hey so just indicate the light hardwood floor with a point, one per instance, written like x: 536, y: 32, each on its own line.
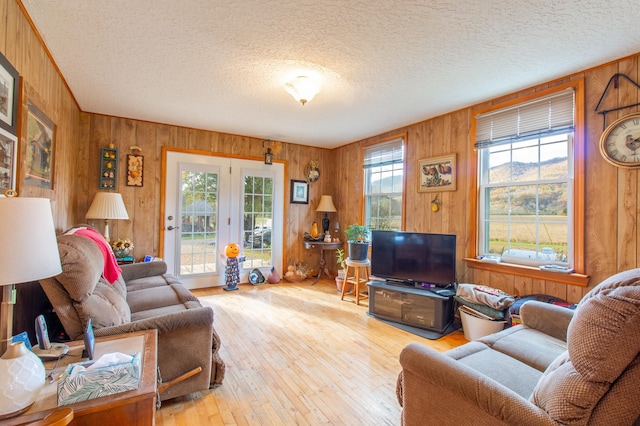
x: 297, y: 354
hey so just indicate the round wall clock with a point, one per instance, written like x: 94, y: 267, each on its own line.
x: 620, y: 142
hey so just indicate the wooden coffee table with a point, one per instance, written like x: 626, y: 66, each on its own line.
x: 135, y: 407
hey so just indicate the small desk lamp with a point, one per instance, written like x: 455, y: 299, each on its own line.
x: 326, y: 205
x: 28, y: 252
x: 107, y: 205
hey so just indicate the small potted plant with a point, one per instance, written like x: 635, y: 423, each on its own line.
x: 341, y: 272
x: 358, y: 239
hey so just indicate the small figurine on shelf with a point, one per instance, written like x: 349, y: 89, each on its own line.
x: 232, y: 270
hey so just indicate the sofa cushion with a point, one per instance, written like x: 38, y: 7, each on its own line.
x: 164, y: 310
x: 565, y: 395
x: 81, y: 277
x: 81, y: 266
x: 604, y: 335
x: 161, y: 280
x: 159, y: 297
x: 502, y: 368
x: 614, y: 407
x: 105, y: 306
x: 527, y: 345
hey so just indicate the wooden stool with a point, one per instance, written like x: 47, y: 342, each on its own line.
x: 360, y: 270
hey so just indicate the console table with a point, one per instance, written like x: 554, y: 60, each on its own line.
x: 322, y: 246
x: 135, y: 407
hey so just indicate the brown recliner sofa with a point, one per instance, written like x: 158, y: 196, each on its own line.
x: 559, y: 367
x: 143, y: 297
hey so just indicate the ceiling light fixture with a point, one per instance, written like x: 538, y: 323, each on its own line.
x: 302, y: 88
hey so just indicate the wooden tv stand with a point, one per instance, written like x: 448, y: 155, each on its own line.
x: 410, y: 306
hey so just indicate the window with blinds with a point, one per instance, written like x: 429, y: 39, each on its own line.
x: 526, y: 181
x: 383, y: 184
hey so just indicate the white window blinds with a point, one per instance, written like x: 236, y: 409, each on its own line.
x: 383, y: 154
x: 539, y: 118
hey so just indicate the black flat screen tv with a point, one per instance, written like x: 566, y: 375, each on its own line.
x: 413, y: 258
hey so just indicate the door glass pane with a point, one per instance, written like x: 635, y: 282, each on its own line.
x: 258, y: 220
x: 198, y: 229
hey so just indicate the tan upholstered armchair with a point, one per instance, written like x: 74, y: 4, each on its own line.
x: 143, y: 297
x: 539, y: 373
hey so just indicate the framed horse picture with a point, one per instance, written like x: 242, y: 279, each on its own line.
x: 437, y: 174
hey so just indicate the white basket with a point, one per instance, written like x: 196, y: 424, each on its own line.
x: 476, y: 327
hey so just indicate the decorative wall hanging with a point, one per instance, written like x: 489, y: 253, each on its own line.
x: 135, y: 163
x: 8, y: 161
x: 40, y: 147
x: 437, y: 174
x: 109, y: 167
x: 9, y: 86
x: 615, y: 80
x: 312, y: 172
x: 299, y: 192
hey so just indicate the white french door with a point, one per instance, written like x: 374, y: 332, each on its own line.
x: 213, y: 201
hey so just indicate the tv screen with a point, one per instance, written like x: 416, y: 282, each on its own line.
x: 413, y: 257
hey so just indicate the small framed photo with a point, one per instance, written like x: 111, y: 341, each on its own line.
x: 40, y: 147
x: 8, y: 161
x: 9, y: 86
x: 299, y: 192
x: 134, y: 170
x: 437, y: 174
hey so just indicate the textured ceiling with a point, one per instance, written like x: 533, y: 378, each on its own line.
x: 222, y: 66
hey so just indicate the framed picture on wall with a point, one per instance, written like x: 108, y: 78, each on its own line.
x: 9, y: 86
x: 8, y: 161
x: 40, y: 148
x: 134, y: 170
x: 437, y: 174
x: 299, y: 192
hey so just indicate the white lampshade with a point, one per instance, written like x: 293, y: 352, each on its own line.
x: 28, y: 252
x: 28, y: 248
x: 302, y: 88
x: 22, y: 376
x: 107, y: 205
x: 326, y: 204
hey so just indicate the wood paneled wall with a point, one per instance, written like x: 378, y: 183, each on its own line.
x: 143, y: 204
x: 611, y: 195
x: 44, y: 87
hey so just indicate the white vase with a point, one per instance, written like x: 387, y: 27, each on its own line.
x: 22, y: 375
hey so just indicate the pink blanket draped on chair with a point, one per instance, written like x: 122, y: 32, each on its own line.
x: 111, y: 270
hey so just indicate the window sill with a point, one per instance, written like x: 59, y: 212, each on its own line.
x: 529, y: 271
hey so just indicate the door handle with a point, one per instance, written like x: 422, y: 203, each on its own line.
x: 171, y: 228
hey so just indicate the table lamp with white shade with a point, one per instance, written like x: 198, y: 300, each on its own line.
x: 28, y: 252
x: 107, y: 205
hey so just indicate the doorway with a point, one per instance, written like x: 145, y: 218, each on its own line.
x: 211, y: 201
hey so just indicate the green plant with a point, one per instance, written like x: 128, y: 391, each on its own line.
x: 357, y: 234
x: 340, y: 258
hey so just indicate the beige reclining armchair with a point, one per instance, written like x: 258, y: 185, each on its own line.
x: 558, y: 368
x: 144, y: 297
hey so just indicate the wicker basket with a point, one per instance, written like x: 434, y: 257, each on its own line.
x: 295, y: 278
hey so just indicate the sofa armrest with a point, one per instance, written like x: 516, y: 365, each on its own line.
x: 437, y: 389
x: 185, y: 341
x: 547, y: 318
x: 134, y: 271
x: 174, y: 321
